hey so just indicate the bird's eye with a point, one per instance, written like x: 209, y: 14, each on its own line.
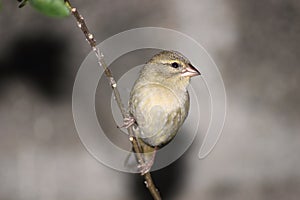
x: 175, y: 65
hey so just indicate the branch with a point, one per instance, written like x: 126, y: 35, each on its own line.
x: 101, y: 62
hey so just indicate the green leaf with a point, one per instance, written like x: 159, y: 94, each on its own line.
x: 53, y: 8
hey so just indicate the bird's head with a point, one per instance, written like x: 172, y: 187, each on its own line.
x: 170, y: 67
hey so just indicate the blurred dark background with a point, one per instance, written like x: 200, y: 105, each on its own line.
x: 254, y: 43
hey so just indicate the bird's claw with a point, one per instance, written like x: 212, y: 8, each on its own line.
x: 145, y: 168
x: 128, y: 121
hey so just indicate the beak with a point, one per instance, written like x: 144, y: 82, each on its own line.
x: 190, y: 71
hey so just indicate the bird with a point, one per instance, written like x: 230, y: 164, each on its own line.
x: 159, y: 102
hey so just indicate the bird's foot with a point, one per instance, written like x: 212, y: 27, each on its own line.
x: 128, y: 121
x: 145, y: 167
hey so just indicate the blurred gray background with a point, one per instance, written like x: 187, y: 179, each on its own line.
x: 254, y: 43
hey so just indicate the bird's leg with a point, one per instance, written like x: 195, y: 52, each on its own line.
x: 146, y: 166
x: 127, y: 122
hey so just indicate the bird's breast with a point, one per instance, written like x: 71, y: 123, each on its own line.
x: 159, y: 112
x: 155, y: 95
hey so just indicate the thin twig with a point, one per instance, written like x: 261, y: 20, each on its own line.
x: 92, y: 42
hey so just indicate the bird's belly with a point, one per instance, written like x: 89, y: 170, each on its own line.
x: 158, y: 113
